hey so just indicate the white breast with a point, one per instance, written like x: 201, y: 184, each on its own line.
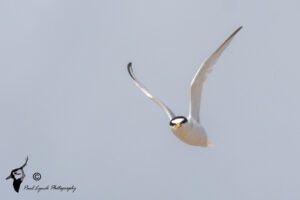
x: 191, y: 133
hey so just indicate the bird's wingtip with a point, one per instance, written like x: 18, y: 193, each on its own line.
x: 130, y: 71
x: 129, y: 66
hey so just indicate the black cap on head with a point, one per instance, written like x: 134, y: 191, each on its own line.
x: 178, y: 119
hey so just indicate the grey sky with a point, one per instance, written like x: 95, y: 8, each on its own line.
x: 68, y: 103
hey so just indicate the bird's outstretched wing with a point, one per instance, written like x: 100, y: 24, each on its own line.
x: 148, y: 94
x: 201, y: 75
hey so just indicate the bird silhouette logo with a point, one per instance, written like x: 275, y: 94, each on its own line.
x: 18, y: 176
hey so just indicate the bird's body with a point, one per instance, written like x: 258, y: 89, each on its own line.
x: 18, y: 176
x: 189, y: 129
x: 191, y: 133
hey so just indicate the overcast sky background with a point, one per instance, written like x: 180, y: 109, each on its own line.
x: 68, y: 103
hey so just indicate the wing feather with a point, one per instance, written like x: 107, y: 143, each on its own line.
x: 198, y: 81
x: 148, y: 94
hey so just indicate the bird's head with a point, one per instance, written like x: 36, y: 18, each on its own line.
x: 16, y: 174
x: 178, y: 121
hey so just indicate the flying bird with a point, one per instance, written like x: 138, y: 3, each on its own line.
x: 18, y: 176
x: 189, y: 129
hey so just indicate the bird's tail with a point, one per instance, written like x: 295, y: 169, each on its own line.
x: 210, y: 144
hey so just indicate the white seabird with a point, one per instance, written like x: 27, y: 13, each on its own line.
x: 189, y: 129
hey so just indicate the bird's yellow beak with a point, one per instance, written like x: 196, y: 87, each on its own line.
x: 178, y: 125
